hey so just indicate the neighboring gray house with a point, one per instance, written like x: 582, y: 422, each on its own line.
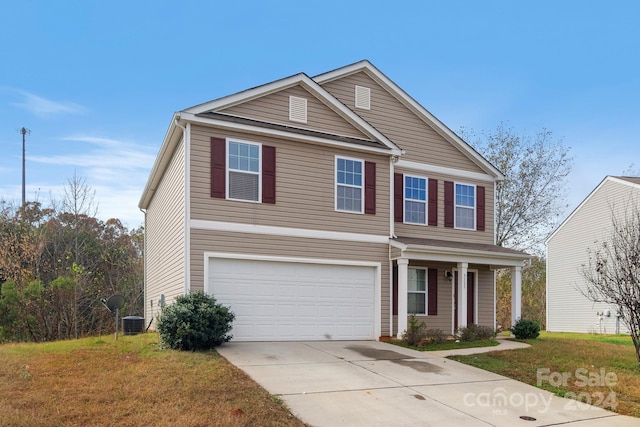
x: 567, y: 251
x: 323, y: 208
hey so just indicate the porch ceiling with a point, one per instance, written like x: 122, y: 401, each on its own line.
x: 451, y: 251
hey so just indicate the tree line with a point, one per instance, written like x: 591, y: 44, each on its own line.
x: 56, y: 264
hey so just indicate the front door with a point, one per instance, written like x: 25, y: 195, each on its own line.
x: 471, y: 302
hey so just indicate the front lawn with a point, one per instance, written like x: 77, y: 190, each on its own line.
x: 599, y: 369
x: 130, y: 382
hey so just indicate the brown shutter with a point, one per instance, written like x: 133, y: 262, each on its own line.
x: 433, y: 202
x: 218, y: 164
x: 432, y: 292
x: 398, y: 197
x: 395, y: 290
x: 480, y: 208
x: 448, y: 204
x: 369, y: 188
x: 268, y: 174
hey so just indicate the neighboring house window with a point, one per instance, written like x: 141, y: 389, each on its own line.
x: 349, y: 185
x: 417, y: 291
x: 465, y: 206
x: 415, y: 200
x: 243, y: 171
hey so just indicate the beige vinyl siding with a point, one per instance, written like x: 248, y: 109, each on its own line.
x: 305, y: 188
x: 486, y: 296
x: 445, y: 297
x: 567, y: 309
x: 420, y: 141
x: 452, y: 234
x: 255, y: 244
x: 444, y: 319
x: 165, y: 237
x: 274, y: 108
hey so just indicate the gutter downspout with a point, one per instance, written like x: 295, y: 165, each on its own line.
x: 187, y: 211
x: 144, y: 269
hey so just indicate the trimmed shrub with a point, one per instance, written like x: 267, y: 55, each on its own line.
x: 435, y: 336
x: 195, y: 322
x: 473, y: 332
x: 415, y: 333
x: 526, y: 329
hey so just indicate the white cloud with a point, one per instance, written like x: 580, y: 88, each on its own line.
x: 117, y: 170
x: 107, y: 160
x: 43, y: 107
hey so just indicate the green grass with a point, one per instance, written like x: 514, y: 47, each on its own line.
x: 566, y: 353
x: 130, y: 382
x: 448, y: 345
x: 611, y: 339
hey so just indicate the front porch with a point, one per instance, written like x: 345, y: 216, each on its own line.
x: 449, y: 285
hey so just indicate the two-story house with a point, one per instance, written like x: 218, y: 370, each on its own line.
x: 322, y: 208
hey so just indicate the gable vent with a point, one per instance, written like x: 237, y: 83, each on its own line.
x: 298, y: 109
x: 363, y: 97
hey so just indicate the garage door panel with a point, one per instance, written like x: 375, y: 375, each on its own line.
x: 295, y: 301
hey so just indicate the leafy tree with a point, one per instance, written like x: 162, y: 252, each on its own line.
x: 56, y: 263
x: 529, y: 204
x: 534, y: 279
x: 531, y: 199
x: 612, y: 275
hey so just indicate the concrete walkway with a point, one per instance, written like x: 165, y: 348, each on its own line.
x: 370, y: 383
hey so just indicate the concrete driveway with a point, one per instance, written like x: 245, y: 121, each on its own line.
x: 369, y: 383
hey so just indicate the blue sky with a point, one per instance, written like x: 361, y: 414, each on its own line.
x: 98, y: 82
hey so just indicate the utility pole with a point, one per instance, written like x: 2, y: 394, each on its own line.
x: 24, y: 131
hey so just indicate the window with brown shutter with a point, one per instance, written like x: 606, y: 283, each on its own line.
x: 448, y: 204
x: 433, y: 202
x: 370, y: 188
x: 432, y: 292
x: 268, y: 174
x: 218, y: 164
x: 243, y: 170
x: 480, y: 215
x: 398, y: 197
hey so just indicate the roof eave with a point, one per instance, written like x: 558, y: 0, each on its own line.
x: 169, y: 143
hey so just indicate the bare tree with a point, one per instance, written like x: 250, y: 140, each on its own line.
x: 531, y: 200
x: 612, y: 275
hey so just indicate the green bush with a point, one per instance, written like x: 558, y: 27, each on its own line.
x: 526, y: 329
x: 415, y: 333
x: 473, y: 332
x: 195, y: 322
x: 435, y: 336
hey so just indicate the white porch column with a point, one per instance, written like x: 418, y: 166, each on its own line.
x: 516, y: 294
x: 462, y: 294
x: 403, y: 273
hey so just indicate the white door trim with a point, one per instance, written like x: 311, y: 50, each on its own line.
x: 475, y: 296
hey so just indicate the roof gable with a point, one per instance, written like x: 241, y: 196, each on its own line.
x: 322, y: 100
x: 412, y: 105
x: 274, y: 108
x: 631, y: 182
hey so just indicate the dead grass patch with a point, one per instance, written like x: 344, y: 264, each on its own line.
x: 560, y: 353
x: 129, y: 382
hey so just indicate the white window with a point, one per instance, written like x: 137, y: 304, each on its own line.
x: 417, y: 291
x: 415, y: 200
x: 465, y: 206
x: 349, y: 185
x: 243, y: 170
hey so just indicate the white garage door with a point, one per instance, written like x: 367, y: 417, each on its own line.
x: 293, y: 301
